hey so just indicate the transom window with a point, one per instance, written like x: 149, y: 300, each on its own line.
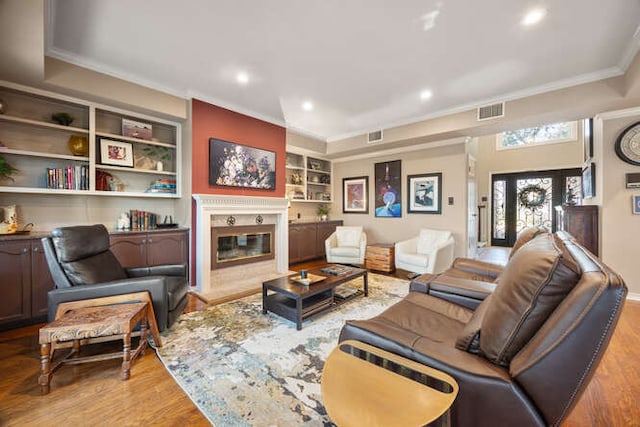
x: 538, y: 135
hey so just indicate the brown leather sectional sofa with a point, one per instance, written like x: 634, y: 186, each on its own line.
x: 522, y: 340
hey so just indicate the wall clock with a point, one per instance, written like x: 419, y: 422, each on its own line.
x: 628, y: 145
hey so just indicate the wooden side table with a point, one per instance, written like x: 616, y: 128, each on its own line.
x: 96, y: 320
x: 381, y: 257
x: 363, y: 385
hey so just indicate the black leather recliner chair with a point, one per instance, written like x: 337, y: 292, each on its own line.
x: 83, y: 267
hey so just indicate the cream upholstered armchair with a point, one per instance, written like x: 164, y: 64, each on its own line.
x: 346, y: 245
x: 430, y: 252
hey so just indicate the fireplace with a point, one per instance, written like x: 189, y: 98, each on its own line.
x: 233, y: 245
x: 218, y: 211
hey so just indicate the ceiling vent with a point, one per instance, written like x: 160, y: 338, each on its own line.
x: 375, y: 136
x: 491, y: 111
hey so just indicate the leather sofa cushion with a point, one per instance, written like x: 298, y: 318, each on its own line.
x: 525, y: 236
x: 534, y: 282
x: 418, y: 317
x: 348, y: 236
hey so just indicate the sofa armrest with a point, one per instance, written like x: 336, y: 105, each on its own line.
x: 363, y: 243
x: 155, y: 285
x: 465, y: 292
x: 331, y: 242
x: 481, y: 268
x: 178, y: 270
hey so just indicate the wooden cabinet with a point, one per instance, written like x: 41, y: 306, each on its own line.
x: 306, y: 240
x: 41, y: 149
x: 25, y: 282
x: 381, y: 257
x: 152, y: 247
x: 581, y: 222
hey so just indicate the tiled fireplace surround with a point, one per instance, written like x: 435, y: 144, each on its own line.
x: 214, y: 210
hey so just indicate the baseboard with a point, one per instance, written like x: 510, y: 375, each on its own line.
x: 633, y: 297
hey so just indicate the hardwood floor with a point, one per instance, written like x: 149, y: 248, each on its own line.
x: 93, y: 395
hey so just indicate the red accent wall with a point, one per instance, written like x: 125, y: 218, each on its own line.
x: 210, y: 121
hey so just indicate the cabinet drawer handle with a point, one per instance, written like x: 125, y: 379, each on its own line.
x: 36, y: 249
x: 25, y: 250
x: 144, y: 241
x: 150, y: 240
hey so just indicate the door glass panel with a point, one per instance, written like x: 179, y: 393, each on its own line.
x: 499, y: 222
x: 533, y: 203
x: 573, y: 190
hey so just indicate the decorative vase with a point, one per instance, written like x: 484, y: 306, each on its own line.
x: 78, y: 145
x: 159, y: 166
x: 323, y: 217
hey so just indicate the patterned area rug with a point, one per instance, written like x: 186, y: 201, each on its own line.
x: 243, y: 368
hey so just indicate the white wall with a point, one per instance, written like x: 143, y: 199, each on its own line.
x: 619, y: 227
x: 450, y: 160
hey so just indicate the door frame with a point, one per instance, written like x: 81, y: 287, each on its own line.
x: 558, y: 192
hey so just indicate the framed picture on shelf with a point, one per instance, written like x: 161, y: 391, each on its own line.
x: 388, y: 199
x: 587, y: 139
x: 134, y: 129
x: 117, y: 153
x: 589, y: 181
x: 424, y: 193
x: 236, y: 165
x: 354, y: 195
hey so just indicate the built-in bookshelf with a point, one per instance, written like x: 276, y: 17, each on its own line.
x: 113, y: 161
x: 308, y: 178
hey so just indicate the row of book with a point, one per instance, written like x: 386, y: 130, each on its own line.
x: 143, y: 220
x: 68, y: 178
x: 162, y: 185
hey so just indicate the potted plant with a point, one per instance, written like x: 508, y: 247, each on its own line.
x: 323, y: 211
x: 6, y: 170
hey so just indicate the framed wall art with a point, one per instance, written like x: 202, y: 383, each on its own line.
x: 388, y: 197
x: 117, y: 153
x: 424, y: 193
x: 236, y: 165
x: 354, y: 195
x: 589, y: 181
x: 636, y: 204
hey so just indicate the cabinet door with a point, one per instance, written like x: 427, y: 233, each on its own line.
x: 130, y: 249
x: 41, y: 280
x: 15, y: 286
x: 302, y: 242
x: 168, y: 248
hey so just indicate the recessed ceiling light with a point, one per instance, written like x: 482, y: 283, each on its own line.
x: 426, y: 94
x: 533, y: 16
x: 307, y: 106
x: 242, y: 78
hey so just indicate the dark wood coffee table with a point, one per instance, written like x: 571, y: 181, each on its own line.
x: 297, y: 302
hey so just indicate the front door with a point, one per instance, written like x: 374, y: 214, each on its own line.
x: 525, y: 199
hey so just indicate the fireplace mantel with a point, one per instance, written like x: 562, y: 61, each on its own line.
x: 209, y: 206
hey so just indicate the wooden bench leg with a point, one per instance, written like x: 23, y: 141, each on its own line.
x: 126, y: 357
x: 45, y: 367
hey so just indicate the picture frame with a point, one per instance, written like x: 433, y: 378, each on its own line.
x: 589, y: 181
x: 424, y: 193
x: 136, y: 129
x: 116, y: 153
x: 587, y: 139
x: 388, y: 189
x: 355, y: 195
x: 238, y: 165
x: 636, y: 204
